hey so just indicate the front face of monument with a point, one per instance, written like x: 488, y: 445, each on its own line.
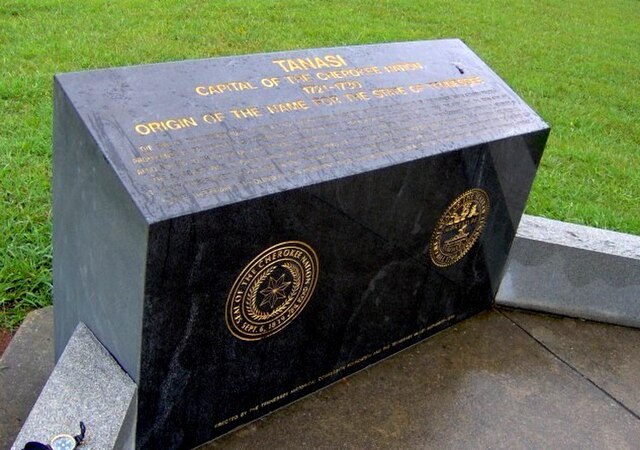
x: 291, y: 218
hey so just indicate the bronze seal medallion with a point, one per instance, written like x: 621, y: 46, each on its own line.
x: 459, y: 227
x: 272, y: 290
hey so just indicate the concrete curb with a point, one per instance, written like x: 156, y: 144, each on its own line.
x: 86, y: 385
x: 573, y: 270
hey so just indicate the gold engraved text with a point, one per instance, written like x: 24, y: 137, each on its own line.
x: 221, y: 88
x: 315, y: 63
x: 165, y: 125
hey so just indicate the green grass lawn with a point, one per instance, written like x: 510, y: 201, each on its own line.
x: 577, y: 63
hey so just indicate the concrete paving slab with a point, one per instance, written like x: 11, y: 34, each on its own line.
x: 483, y: 384
x: 24, y: 369
x: 607, y: 355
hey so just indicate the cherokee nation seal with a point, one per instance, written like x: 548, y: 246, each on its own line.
x: 272, y: 290
x: 459, y: 227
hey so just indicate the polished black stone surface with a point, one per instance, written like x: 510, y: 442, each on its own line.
x: 363, y: 182
x: 386, y: 104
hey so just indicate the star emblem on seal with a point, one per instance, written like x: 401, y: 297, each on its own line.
x: 272, y: 290
x: 275, y: 291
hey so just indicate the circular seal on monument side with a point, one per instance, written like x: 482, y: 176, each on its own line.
x: 272, y: 290
x: 459, y: 227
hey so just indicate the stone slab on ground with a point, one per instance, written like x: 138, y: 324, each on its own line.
x: 484, y: 383
x: 86, y: 385
x: 502, y: 379
x: 609, y: 356
x: 573, y: 270
x: 24, y: 369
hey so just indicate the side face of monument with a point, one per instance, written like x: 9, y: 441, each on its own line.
x: 99, y: 243
x: 280, y: 220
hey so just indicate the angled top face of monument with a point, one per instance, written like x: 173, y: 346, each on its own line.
x: 239, y: 232
x: 189, y: 136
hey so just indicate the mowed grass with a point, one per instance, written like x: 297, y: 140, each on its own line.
x: 575, y: 62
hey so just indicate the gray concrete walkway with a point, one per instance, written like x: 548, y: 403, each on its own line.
x: 503, y: 379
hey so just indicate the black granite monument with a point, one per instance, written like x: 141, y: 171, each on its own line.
x: 239, y: 232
